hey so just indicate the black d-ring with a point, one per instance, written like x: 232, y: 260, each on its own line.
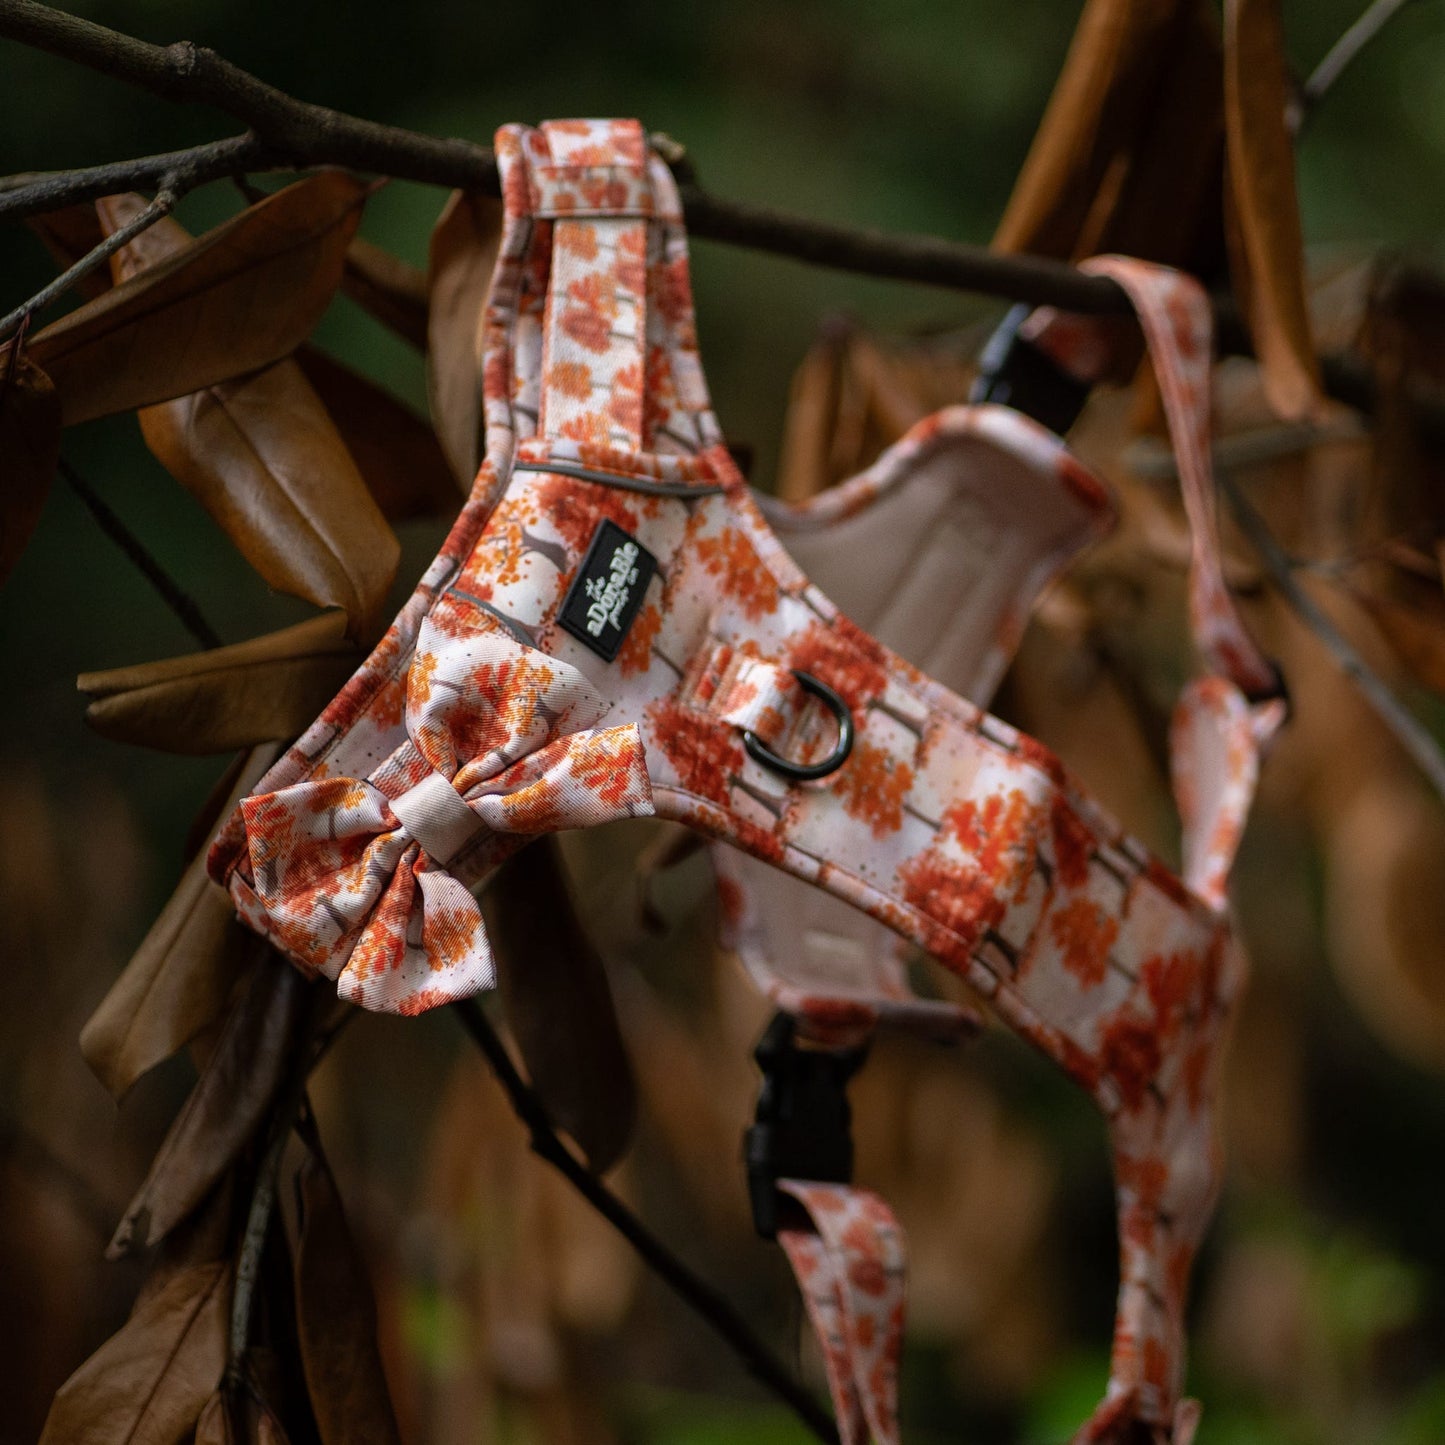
x: 760, y: 752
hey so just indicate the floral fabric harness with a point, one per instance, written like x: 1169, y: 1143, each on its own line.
x: 612, y: 629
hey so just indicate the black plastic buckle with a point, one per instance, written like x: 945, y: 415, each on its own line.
x: 1014, y: 372
x: 803, y: 1127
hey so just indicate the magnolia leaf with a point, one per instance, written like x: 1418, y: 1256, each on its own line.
x: 238, y: 298
x: 69, y: 234
x: 463, y: 252
x: 238, y: 1414
x: 182, y: 974
x: 148, y: 1383
x: 29, y: 451
x: 1268, y: 259
x: 1416, y: 635
x: 336, y: 1320
x: 265, y: 690
x: 396, y: 452
x: 261, y: 455
x: 228, y: 1103
x: 1126, y: 155
x: 559, y: 1006
x: 388, y: 288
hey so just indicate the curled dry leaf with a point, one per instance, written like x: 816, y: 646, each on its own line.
x: 29, y: 450
x: 182, y: 974
x: 463, y: 251
x: 1268, y: 249
x: 231, y: 301
x: 261, y: 455
x: 559, y: 1006
x: 1386, y: 913
x: 230, y: 1099
x: 148, y: 1383
x: 69, y: 234
x: 336, y: 1319
x: 1126, y: 156
x: 388, y: 288
x: 1416, y: 634
x: 396, y: 452
x: 267, y: 689
x: 239, y: 1414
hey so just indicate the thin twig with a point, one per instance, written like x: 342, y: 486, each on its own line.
x: 32, y: 195
x: 162, y: 205
x: 1416, y: 739
x: 1342, y: 54
x: 172, y: 594
x: 258, y: 1224
x: 695, y: 1292
x: 289, y: 1113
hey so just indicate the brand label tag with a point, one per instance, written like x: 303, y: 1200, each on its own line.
x: 608, y: 589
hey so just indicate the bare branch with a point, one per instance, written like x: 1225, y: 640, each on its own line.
x: 1415, y: 738
x: 172, y: 594
x: 31, y: 195
x: 300, y: 133
x: 163, y: 204
x: 695, y: 1292
x: 1342, y: 54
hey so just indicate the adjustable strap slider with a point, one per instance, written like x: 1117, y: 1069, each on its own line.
x: 1017, y: 373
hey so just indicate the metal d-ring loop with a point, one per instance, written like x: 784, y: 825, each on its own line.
x: 760, y: 752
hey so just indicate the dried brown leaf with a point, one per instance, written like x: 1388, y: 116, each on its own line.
x: 396, y: 452
x: 559, y: 1006
x: 463, y: 252
x: 1125, y: 156
x: 182, y: 974
x: 262, y: 456
x: 238, y: 1414
x: 228, y: 1103
x: 1416, y: 635
x: 388, y: 288
x: 29, y: 451
x: 238, y: 298
x: 336, y: 1319
x: 1269, y: 249
x: 69, y: 234
x: 267, y: 689
x: 148, y: 1383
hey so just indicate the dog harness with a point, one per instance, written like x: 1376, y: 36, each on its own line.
x: 612, y: 629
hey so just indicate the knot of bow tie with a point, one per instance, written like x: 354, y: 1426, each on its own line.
x: 353, y: 873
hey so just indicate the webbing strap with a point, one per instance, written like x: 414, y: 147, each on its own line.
x: 1225, y: 719
x: 590, y: 179
x: 851, y: 1268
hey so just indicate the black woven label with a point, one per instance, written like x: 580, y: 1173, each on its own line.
x: 604, y: 596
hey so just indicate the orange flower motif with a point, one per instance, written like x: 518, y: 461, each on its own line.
x: 1086, y: 934
x: 745, y: 576
x: 873, y: 786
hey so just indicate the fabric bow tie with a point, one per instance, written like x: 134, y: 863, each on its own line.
x: 354, y: 873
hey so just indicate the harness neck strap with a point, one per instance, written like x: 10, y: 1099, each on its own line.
x: 590, y: 180
x: 1225, y: 718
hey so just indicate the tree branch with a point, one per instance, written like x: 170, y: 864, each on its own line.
x: 297, y: 132
x: 695, y: 1292
x: 30, y: 195
x: 172, y: 594
x: 1342, y: 54
x: 1415, y: 738
x: 162, y: 205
